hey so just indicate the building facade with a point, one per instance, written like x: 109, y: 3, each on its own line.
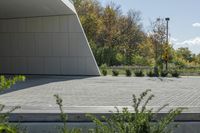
x: 43, y: 37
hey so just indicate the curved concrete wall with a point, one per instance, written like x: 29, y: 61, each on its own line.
x: 45, y: 45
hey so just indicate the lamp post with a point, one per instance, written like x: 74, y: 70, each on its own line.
x: 167, y: 42
x: 167, y: 19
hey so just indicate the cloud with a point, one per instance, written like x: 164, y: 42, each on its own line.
x: 196, y: 25
x: 193, y: 44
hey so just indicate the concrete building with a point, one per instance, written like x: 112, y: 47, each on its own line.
x: 43, y: 37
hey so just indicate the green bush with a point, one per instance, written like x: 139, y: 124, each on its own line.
x: 103, y: 67
x: 150, y: 73
x: 128, y: 73
x: 139, y: 73
x: 5, y: 126
x: 138, y: 122
x: 163, y: 73
x: 115, y: 73
x: 104, y: 72
x: 175, y: 73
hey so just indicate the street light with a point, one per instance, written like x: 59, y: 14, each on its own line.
x: 167, y: 41
x: 167, y: 19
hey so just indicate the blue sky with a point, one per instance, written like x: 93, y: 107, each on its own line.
x: 184, y: 18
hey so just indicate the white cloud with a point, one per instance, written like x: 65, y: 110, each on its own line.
x: 196, y: 25
x: 173, y: 40
x: 193, y: 44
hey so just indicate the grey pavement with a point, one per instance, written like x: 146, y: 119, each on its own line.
x: 100, y: 94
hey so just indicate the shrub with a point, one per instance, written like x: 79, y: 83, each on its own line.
x: 5, y: 126
x: 138, y: 122
x: 156, y: 72
x: 175, y: 73
x: 164, y: 73
x: 115, y: 73
x: 103, y: 67
x: 139, y: 73
x: 104, y: 72
x: 128, y: 73
x: 63, y: 117
x: 150, y: 73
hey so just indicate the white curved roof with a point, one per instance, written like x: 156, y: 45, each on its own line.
x: 31, y: 8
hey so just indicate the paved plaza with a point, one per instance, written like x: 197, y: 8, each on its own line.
x: 100, y: 94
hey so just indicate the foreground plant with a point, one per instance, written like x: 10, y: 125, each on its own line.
x: 5, y: 126
x: 63, y: 117
x: 138, y: 122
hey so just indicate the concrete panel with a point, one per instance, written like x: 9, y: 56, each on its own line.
x: 34, y: 24
x: 91, y: 68
x: 12, y: 25
x: 5, y: 65
x: 52, y: 66
x: 81, y: 65
x: 43, y: 44
x: 60, y: 44
x: 18, y: 65
x: 64, y: 23
x: 36, y: 65
x: 78, y: 45
x: 15, y: 44
x: 69, y: 65
x: 50, y: 24
x: 5, y: 44
x: 28, y: 44
x: 74, y: 25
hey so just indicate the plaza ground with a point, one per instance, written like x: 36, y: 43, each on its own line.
x: 100, y: 94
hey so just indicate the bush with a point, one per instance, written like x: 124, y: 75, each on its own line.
x: 104, y: 72
x: 164, y: 73
x: 139, y: 73
x: 103, y: 67
x: 125, y: 121
x: 156, y: 72
x: 150, y: 74
x: 128, y: 73
x: 175, y: 73
x: 115, y: 73
x: 5, y: 126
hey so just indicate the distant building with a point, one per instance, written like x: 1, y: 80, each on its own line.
x: 43, y: 37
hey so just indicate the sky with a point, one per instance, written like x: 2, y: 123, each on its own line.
x: 184, y: 24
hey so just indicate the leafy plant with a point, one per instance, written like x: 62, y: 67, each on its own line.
x: 163, y: 73
x: 104, y: 72
x: 139, y: 121
x: 150, y: 73
x: 175, y: 73
x: 128, y: 73
x: 63, y: 117
x: 6, y: 83
x: 139, y: 73
x: 115, y: 72
x: 5, y: 126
